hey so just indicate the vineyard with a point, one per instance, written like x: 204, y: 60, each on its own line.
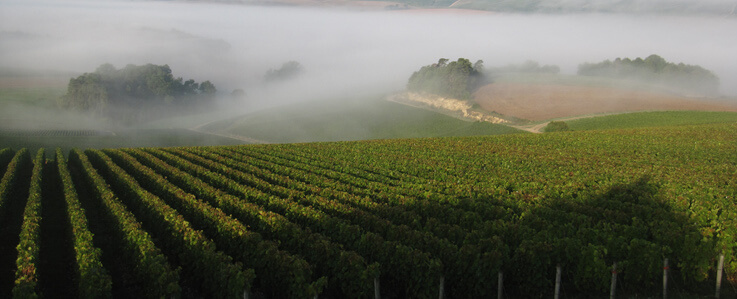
x: 459, y: 217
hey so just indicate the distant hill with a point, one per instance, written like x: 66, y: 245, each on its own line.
x: 711, y: 7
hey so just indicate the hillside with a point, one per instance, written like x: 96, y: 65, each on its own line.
x: 350, y: 119
x: 652, y: 119
x: 413, y: 216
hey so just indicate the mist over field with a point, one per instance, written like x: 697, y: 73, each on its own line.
x: 344, y: 52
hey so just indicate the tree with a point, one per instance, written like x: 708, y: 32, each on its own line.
x: 457, y: 79
x: 238, y: 94
x: 655, y: 69
x: 207, y: 88
x: 135, y: 88
x: 288, y: 70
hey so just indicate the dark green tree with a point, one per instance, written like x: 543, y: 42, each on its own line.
x: 134, y: 88
x: 457, y: 79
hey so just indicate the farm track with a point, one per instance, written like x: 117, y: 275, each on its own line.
x: 538, y: 128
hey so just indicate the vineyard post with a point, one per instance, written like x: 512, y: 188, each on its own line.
x: 245, y: 294
x: 500, y: 283
x: 441, y: 294
x: 665, y: 278
x: 720, y: 268
x: 614, y: 281
x: 557, y: 281
x: 377, y: 291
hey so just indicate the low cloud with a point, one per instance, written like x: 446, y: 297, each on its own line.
x: 342, y: 51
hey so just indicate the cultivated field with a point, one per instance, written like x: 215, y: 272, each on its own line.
x: 652, y: 119
x: 338, y: 219
x: 540, y: 101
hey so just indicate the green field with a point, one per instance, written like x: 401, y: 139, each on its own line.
x: 371, y: 118
x: 124, y: 138
x: 295, y: 220
x: 429, y: 198
x: 29, y: 118
x: 651, y: 119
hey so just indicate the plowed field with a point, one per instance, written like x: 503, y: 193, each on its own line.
x: 537, y: 102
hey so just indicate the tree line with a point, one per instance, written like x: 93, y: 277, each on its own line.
x: 655, y: 69
x: 457, y: 79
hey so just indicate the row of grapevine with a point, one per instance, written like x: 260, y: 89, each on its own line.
x: 139, y: 251
x: 230, y: 235
x: 30, y: 235
x: 457, y: 262
x: 213, y: 271
x: 13, y: 170
x: 457, y: 211
x: 664, y: 243
x: 383, y: 200
x: 572, y: 244
x: 347, y: 272
x: 93, y: 279
x: 534, y: 185
x: 421, y: 216
x: 401, y: 265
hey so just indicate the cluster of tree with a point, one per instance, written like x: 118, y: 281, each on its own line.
x: 288, y: 70
x: 655, y: 69
x: 133, y: 88
x: 529, y: 66
x: 457, y: 79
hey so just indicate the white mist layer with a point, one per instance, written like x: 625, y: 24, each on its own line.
x: 343, y: 52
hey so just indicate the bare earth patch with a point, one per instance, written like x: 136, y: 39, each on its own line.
x: 537, y: 102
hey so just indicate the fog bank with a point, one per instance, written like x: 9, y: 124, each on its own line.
x: 343, y: 51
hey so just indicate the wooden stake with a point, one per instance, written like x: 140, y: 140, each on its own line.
x: 500, y: 285
x: 441, y: 294
x: 665, y: 278
x: 557, y: 281
x: 720, y: 267
x: 613, y: 288
x: 377, y: 291
x: 245, y: 294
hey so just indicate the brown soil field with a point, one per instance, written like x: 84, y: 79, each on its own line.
x: 538, y: 102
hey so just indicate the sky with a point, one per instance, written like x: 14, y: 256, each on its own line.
x: 343, y: 51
